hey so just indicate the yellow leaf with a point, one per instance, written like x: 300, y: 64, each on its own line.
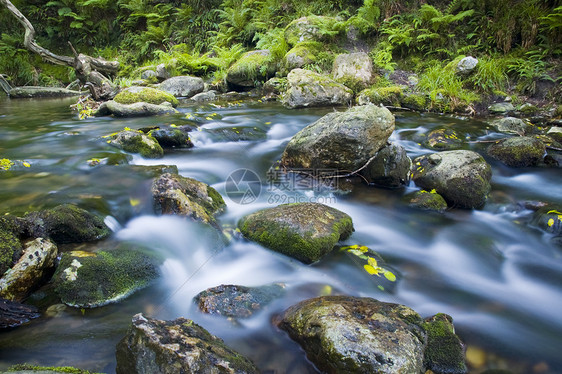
x: 372, y: 262
x: 134, y: 202
x: 363, y: 248
x: 371, y: 270
x: 390, y: 276
x: 550, y: 222
x: 268, y: 123
x: 208, y: 118
x: 26, y: 164
x: 326, y: 290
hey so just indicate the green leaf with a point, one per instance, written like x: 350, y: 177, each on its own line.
x: 64, y: 11
x: 390, y: 276
x: 76, y: 25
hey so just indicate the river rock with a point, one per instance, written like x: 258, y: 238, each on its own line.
x: 428, y: 200
x: 162, y: 72
x: 182, y: 86
x: 519, y: 151
x: 445, y: 351
x: 136, y: 94
x: 237, y: 301
x: 210, y: 95
x: 252, y: 67
x: 308, y: 29
x: 555, y: 132
x: 301, y: 54
x: 36, y: 263
x: 388, y: 96
x: 172, y: 137
x: 112, y: 107
x: 275, y: 86
x: 343, y: 334
x: 501, y: 108
x: 88, y: 280
x: 305, y: 231
x: 443, y: 140
x: 10, y: 245
x: 467, y: 65
x: 137, y: 142
x: 147, y: 74
x: 307, y: 89
x: 13, y: 314
x: 549, y: 219
x: 355, y: 70
x: 512, y: 125
x: 174, y: 194
x: 389, y: 168
x: 461, y: 177
x: 66, y: 223
x: 33, y: 91
x: 178, y: 346
x: 341, y: 141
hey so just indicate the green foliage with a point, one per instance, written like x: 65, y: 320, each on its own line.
x: 528, y: 70
x: 490, y: 75
x: 274, y: 41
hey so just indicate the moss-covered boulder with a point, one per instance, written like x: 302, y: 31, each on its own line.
x: 33, y: 267
x: 66, y: 223
x: 305, y: 231
x: 340, y: 141
x: 512, y: 125
x: 355, y: 70
x: 182, y: 86
x: 137, y: 142
x: 141, y: 109
x: 389, y: 168
x: 172, y: 137
x: 342, y: 334
x: 174, y: 194
x: 252, y: 67
x: 445, y: 351
x: 461, y: 177
x: 308, y: 89
x: 519, y: 151
x: 389, y: 96
x: 427, y: 200
x: 237, y: 301
x: 88, y: 280
x: 302, y: 54
x: 275, y: 86
x: 178, y: 346
x: 310, y: 29
x: 414, y: 101
x: 148, y: 95
x: 10, y: 245
x: 555, y: 132
x: 444, y: 139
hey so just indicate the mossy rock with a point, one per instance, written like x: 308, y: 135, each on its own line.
x: 310, y: 29
x: 389, y: 96
x: 512, y: 125
x: 501, y: 108
x: 149, y: 95
x: 301, y: 54
x: 10, y: 245
x: 88, y: 280
x: 33, y: 369
x: 555, y: 133
x: 171, y: 138
x: 305, y: 231
x: 444, y: 140
x: 414, y: 101
x: 444, y: 352
x: 428, y: 200
x: 252, y: 67
x: 518, y: 151
x: 137, y: 142
x: 354, y: 70
x: 66, y: 223
x: 140, y: 109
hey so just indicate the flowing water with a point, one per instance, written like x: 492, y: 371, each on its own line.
x: 496, y: 275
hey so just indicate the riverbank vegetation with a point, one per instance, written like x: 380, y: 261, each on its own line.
x: 518, y: 43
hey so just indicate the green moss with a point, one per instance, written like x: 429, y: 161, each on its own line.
x: 10, y: 246
x: 254, y: 66
x: 55, y: 369
x: 390, y: 96
x: 137, y: 142
x: 444, y: 351
x: 145, y: 94
x: 428, y: 201
x: 414, y: 101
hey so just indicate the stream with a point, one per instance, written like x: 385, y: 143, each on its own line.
x: 496, y: 275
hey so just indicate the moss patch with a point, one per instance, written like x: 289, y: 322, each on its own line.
x: 444, y: 352
x: 10, y: 246
x: 54, y: 369
x: 145, y: 94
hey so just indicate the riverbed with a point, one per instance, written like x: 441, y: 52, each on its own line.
x: 499, y: 277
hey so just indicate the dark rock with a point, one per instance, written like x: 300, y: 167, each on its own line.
x: 519, y: 151
x: 179, y: 346
x: 305, y: 231
x: 342, y: 334
x: 34, y: 266
x: 171, y: 138
x: 237, y: 301
x: 66, y: 223
x: 389, y: 168
x: 174, y: 194
x: 88, y: 280
x: 427, y: 200
x: 549, y: 219
x: 341, y: 141
x: 13, y: 314
x: 461, y: 177
x: 444, y: 353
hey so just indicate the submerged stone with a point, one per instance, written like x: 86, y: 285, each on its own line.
x: 237, y: 301
x: 343, y: 334
x: 305, y: 231
x: 519, y: 151
x: 89, y: 280
x: 427, y: 200
x: 178, y: 346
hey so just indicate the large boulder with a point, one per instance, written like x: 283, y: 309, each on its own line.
x: 140, y: 109
x: 137, y: 142
x: 342, y: 334
x: 174, y: 194
x: 341, y: 141
x: 237, y: 301
x: 252, y: 67
x: 182, y: 86
x: 355, y: 70
x: 512, y: 125
x: 179, y: 346
x: 305, y: 231
x: 461, y: 177
x: 66, y: 223
x: 88, y: 280
x: 310, y: 29
x: 308, y: 89
x: 389, y: 168
x: 13, y: 314
x: 136, y: 94
x: 33, y: 267
x: 520, y: 151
